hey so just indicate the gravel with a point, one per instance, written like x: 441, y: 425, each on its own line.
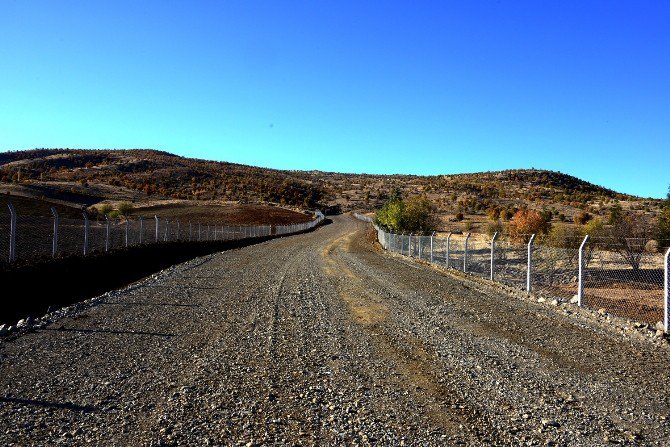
x: 321, y: 339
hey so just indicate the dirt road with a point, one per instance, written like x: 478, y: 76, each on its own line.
x: 320, y: 339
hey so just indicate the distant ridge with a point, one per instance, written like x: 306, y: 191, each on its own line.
x: 159, y: 173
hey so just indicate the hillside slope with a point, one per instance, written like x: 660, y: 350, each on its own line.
x: 137, y: 174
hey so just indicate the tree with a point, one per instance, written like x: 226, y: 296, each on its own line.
x: 125, y: 208
x: 526, y: 222
x: 628, y: 238
x: 416, y: 215
x: 582, y: 218
x: 390, y: 215
x: 615, y: 213
x: 663, y: 224
x: 106, y: 208
x: 419, y: 215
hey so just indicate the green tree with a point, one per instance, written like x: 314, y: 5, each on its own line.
x: 416, y: 214
x: 390, y: 215
x: 663, y: 224
x: 615, y: 213
x: 125, y: 208
x: 419, y: 215
x: 106, y: 208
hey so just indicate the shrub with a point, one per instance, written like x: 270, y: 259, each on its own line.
x: 125, y: 208
x: 494, y: 227
x: 460, y: 217
x: 493, y: 213
x: 582, y: 218
x: 106, y: 208
x: 526, y: 222
x: 417, y: 214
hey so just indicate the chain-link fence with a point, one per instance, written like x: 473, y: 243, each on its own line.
x: 34, y: 238
x: 625, y: 277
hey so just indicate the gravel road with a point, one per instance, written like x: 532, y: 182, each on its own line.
x: 321, y: 339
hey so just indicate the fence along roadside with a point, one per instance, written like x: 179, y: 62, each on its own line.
x: 38, y: 237
x: 594, y: 275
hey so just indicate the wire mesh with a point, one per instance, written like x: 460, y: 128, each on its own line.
x: 625, y: 279
x: 34, y: 235
x: 621, y: 276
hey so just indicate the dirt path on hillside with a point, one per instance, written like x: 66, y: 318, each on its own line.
x: 320, y: 339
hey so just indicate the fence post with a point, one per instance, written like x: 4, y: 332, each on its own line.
x: 409, y: 246
x: 420, y: 240
x: 126, y: 232
x: 448, y: 246
x: 431, y: 246
x: 580, y: 285
x: 85, y: 233
x: 493, y: 253
x: 141, y: 229
x: 177, y: 230
x: 54, y: 242
x: 666, y: 320
x: 107, y: 234
x: 465, y: 253
x: 167, y: 227
x: 156, y: 218
x: 529, y: 266
x: 12, y: 232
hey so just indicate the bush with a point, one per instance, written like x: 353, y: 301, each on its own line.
x: 106, y: 208
x: 417, y: 214
x: 494, y: 227
x: 563, y: 236
x: 663, y: 228
x: 526, y: 222
x: 582, y: 218
x: 460, y: 217
x: 125, y: 208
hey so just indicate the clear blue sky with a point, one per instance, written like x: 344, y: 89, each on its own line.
x: 437, y: 87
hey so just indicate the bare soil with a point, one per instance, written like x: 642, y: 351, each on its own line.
x: 225, y: 214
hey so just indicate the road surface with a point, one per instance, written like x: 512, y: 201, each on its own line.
x: 322, y: 339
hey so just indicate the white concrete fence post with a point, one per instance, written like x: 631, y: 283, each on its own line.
x: 12, y: 232
x: 493, y: 255
x: 177, y: 239
x: 156, y: 217
x: 54, y: 241
x: 465, y: 253
x: 409, y: 246
x: 580, y: 285
x: 86, y: 227
x: 529, y: 264
x: 448, y: 246
x: 666, y: 288
x: 107, y: 230
x: 420, y: 244
x: 432, y: 235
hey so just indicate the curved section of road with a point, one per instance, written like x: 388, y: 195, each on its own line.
x: 320, y: 339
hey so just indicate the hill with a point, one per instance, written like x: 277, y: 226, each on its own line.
x: 90, y: 176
